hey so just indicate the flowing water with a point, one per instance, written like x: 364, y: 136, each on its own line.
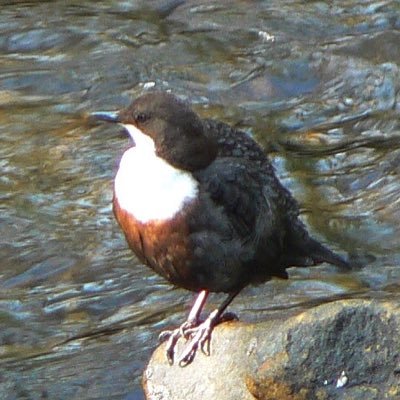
x: 316, y: 84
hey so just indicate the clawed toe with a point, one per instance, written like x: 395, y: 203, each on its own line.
x: 197, y: 336
x: 200, y: 338
x: 172, y: 337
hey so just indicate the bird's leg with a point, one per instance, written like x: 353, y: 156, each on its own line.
x: 201, y: 334
x: 194, y: 314
x: 191, y: 322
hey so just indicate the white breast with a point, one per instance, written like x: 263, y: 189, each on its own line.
x: 148, y: 187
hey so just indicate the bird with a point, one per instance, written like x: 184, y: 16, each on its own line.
x: 199, y: 202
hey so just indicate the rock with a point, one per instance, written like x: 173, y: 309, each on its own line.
x: 348, y: 349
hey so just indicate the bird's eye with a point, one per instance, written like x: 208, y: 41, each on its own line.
x: 141, y: 117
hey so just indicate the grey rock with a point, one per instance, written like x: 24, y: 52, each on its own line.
x: 347, y: 349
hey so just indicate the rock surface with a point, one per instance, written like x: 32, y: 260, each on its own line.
x: 348, y: 349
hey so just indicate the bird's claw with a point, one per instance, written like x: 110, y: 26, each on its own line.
x: 172, y: 337
x: 198, y: 336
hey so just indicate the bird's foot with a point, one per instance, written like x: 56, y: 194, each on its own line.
x: 173, y: 336
x: 198, y: 336
x: 201, y: 336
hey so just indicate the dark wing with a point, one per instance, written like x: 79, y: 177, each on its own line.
x: 230, y: 186
x: 251, y: 207
x: 256, y: 208
x: 300, y: 249
x: 238, y: 144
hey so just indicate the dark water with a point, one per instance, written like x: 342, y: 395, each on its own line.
x: 316, y: 84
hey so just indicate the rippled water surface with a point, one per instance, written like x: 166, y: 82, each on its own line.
x: 316, y: 84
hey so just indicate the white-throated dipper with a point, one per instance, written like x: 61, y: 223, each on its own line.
x: 200, y: 204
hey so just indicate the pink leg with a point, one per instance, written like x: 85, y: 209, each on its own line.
x: 198, y: 334
x: 192, y: 321
x: 201, y: 334
x: 198, y: 306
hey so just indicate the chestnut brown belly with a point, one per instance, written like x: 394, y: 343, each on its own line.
x: 162, y: 245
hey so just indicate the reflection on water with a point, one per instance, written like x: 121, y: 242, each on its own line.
x: 79, y: 316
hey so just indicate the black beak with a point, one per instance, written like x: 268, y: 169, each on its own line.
x: 108, y: 116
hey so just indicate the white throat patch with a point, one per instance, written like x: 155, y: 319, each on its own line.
x: 148, y: 187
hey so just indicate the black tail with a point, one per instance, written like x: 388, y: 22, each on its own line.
x: 319, y: 253
x: 303, y: 246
